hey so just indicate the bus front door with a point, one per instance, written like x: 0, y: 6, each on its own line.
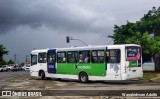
x: 51, y: 61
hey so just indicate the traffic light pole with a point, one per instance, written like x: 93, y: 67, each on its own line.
x: 71, y: 38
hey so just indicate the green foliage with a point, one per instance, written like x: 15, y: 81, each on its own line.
x: 3, y: 51
x: 10, y: 62
x: 3, y: 62
x: 139, y: 33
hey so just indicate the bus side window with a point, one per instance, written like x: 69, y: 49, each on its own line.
x: 33, y: 60
x: 42, y: 58
x: 61, y: 57
x: 84, y: 56
x: 113, y: 56
x: 98, y: 56
x: 72, y: 57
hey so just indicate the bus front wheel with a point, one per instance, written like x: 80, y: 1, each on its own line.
x: 83, y: 77
x: 42, y: 75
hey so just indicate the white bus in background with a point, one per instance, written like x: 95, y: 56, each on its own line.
x: 106, y: 62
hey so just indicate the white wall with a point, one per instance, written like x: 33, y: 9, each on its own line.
x: 149, y: 66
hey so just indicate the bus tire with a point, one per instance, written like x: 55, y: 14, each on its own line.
x: 83, y: 77
x: 42, y: 75
x: 48, y: 78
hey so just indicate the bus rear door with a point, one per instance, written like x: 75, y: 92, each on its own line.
x: 113, y: 64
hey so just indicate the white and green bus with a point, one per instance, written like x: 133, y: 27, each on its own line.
x: 107, y: 62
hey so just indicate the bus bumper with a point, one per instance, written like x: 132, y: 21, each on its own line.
x: 131, y: 76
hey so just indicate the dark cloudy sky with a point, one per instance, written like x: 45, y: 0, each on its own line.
x: 29, y: 24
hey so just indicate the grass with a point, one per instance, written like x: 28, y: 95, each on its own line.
x: 12, y: 80
x: 148, y: 75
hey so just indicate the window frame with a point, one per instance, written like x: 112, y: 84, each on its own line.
x: 117, y: 57
x: 84, y: 58
x: 43, y: 60
x: 137, y: 48
x: 32, y: 60
x: 63, y: 57
x: 98, y: 56
x: 55, y: 58
x: 75, y: 57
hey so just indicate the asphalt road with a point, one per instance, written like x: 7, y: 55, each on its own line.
x: 21, y: 80
x: 74, y: 85
x: 9, y: 74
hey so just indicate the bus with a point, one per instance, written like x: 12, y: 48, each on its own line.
x: 90, y: 63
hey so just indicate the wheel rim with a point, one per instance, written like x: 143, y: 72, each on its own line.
x: 83, y: 78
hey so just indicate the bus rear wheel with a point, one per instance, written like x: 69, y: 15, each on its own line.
x: 83, y: 77
x: 42, y: 75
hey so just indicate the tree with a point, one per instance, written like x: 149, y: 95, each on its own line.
x: 10, y: 62
x: 3, y: 51
x: 3, y: 62
x: 139, y: 33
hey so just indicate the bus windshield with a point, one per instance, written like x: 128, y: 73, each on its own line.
x: 133, y: 53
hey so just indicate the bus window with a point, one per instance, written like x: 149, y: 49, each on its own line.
x: 33, y: 60
x: 42, y: 58
x: 98, y: 56
x: 61, y: 57
x: 113, y: 56
x: 72, y: 57
x: 51, y: 57
x: 84, y: 56
x: 133, y: 53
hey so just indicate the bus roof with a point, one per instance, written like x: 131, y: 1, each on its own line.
x: 84, y: 48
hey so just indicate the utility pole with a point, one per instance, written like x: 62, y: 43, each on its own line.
x: 15, y: 58
x: 26, y: 58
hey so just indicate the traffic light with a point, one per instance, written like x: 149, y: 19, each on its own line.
x: 67, y: 39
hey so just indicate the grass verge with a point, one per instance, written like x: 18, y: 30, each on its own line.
x: 148, y: 75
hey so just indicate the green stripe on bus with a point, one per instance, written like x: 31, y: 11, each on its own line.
x: 97, y: 69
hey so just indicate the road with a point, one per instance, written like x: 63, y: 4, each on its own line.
x: 21, y: 80
x: 9, y: 74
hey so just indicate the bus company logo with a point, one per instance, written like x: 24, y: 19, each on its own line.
x: 84, y: 67
x: 51, y: 66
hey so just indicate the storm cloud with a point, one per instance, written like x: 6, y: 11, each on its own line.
x: 58, y: 14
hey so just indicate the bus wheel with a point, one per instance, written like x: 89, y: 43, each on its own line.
x: 42, y: 75
x: 48, y: 78
x: 83, y: 77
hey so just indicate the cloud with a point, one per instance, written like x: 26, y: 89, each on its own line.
x: 69, y: 16
x: 61, y: 15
